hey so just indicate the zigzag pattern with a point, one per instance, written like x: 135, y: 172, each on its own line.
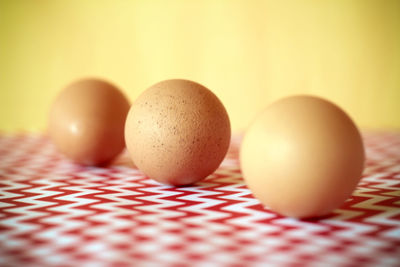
x: 56, y: 213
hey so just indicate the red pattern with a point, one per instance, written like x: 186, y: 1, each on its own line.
x: 56, y: 213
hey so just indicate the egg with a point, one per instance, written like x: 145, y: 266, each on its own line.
x: 302, y: 156
x: 87, y: 120
x: 177, y: 132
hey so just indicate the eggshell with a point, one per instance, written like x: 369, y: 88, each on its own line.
x: 177, y: 132
x: 87, y: 121
x: 303, y: 156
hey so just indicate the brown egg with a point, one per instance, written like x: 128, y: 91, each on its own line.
x: 177, y: 132
x: 87, y: 121
x: 302, y: 157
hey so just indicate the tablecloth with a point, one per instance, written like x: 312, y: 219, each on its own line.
x: 57, y: 213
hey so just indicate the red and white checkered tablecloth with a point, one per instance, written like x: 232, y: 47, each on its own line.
x: 56, y: 213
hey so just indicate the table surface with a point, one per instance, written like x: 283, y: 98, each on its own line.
x: 56, y: 213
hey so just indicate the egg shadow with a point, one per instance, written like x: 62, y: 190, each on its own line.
x: 222, y: 177
x: 123, y: 160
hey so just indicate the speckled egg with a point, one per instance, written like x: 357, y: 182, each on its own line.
x: 177, y: 132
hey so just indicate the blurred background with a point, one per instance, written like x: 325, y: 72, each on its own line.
x: 249, y: 53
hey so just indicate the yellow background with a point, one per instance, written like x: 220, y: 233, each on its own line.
x: 248, y: 52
